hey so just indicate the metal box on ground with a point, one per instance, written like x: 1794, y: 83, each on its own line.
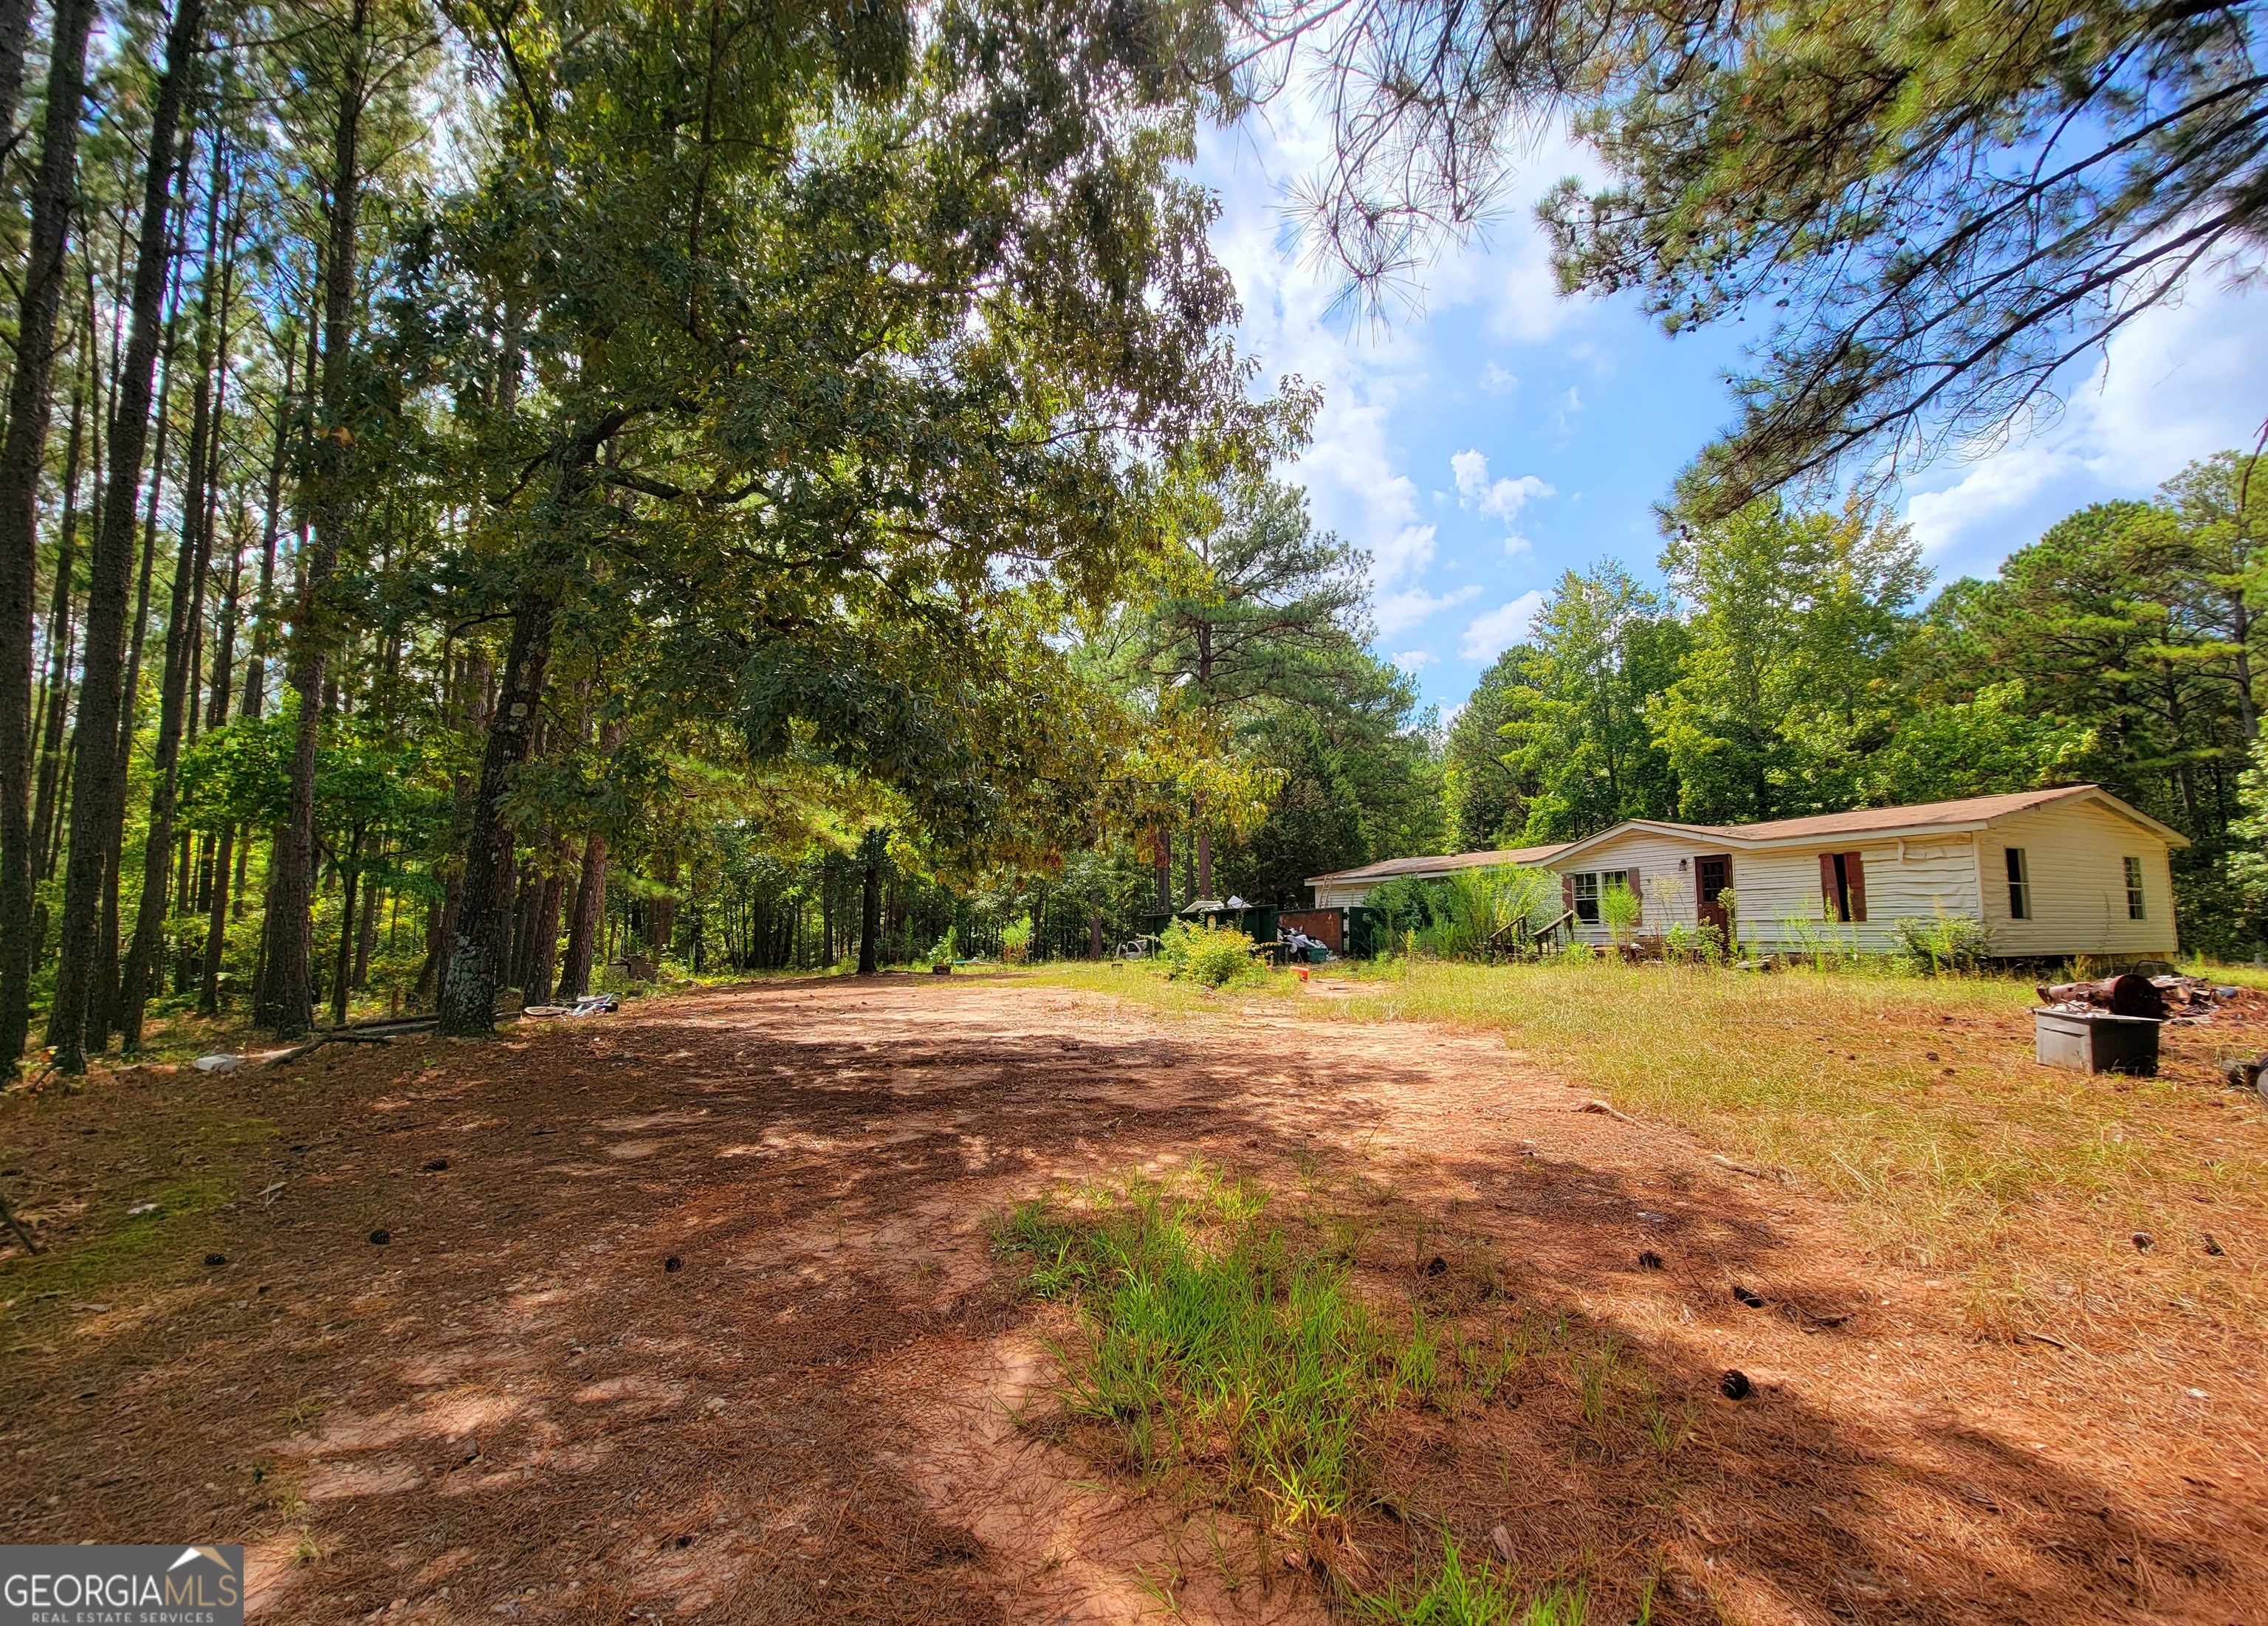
x: 2096, y: 1041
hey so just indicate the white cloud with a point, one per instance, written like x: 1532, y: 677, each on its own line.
x: 1398, y: 612
x: 1497, y: 630
x: 1502, y: 498
x: 2179, y: 383
x: 1496, y: 381
x: 1991, y: 490
x: 1414, y: 661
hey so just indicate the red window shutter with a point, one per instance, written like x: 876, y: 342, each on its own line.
x: 1630, y: 879
x: 1827, y: 886
x: 1854, y: 873
x: 1567, y: 893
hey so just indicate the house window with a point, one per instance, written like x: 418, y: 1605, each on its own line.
x: 1588, y: 888
x: 2020, y: 885
x: 1843, y: 885
x: 2134, y: 890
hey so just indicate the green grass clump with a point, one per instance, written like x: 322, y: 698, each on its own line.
x: 1208, y: 1342
x: 1457, y: 1596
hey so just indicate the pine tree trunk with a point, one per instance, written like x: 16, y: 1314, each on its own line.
x: 544, y: 956
x: 289, y: 987
x: 15, y: 38
x: 584, y: 929
x: 590, y: 913
x: 342, y: 972
x: 60, y: 637
x: 483, y: 945
x: 365, y: 938
x: 102, y: 1013
x: 101, y: 762
x: 527, y: 899
x: 870, y: 908
x: 217, y: 928
x: 137, y: 974
x: 23, y: 457
x: 224, y: 666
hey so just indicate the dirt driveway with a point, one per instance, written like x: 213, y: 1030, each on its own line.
x: 691, y: 1313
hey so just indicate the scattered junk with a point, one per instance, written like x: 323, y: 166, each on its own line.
x: 2246, y: 1072
x: 2092, y: 1040
x: 2106, y: 1026
x: 2185, y: 1001
x: 2126, y: 994
x: 224, y: 1063
x: 586, y: 1005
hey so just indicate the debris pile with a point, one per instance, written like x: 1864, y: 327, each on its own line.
x: 2126, y: 994
x: 2183, y: 1001
x: 2193, y: 998
x: 588, y: 1005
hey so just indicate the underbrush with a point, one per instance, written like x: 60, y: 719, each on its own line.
x: 1220, y: 1353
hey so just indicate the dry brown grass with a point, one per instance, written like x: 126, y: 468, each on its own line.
x: 1917, y: 1104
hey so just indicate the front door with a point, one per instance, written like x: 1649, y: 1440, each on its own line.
x: 1713, y: 877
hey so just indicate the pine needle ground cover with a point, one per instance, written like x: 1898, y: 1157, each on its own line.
x: 947, y: 1300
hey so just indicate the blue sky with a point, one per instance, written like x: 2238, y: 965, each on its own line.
x: 1495, y: 435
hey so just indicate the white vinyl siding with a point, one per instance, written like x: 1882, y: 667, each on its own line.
x: 2075, y: 857
x: 1665, y: 892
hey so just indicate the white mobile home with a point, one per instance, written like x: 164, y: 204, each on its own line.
x: 2073, y: 871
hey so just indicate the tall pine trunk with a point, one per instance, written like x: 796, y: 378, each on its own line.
x: 102, y: 1011
x: 289, y: 986
x: 870, y: 906
x: 23, y: 458
x: 138, y: 972
x: 543, y: 953
x: 582, y: 930
x: 60, y: 636
x: 482, y: 948
x: 217, y: 928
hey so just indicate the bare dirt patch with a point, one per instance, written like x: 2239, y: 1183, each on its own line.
x: 691, y: 1312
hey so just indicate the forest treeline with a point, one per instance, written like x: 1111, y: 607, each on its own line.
x: 491, y: 494
x: 474, y: 477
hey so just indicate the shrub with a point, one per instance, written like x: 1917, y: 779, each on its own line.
x: 1016, y: 941
x: 1944, y: 943
x: 1212, y: 955
x: 1702, y: 945
x: 1622, y: 909
x: 944, y: 950
x: 1454, y: 919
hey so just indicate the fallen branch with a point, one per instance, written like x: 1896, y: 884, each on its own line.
x: 1609, y: 1111
x: 30, y: 1244
x: 339, y: 1036
x: 1723, y: 1162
